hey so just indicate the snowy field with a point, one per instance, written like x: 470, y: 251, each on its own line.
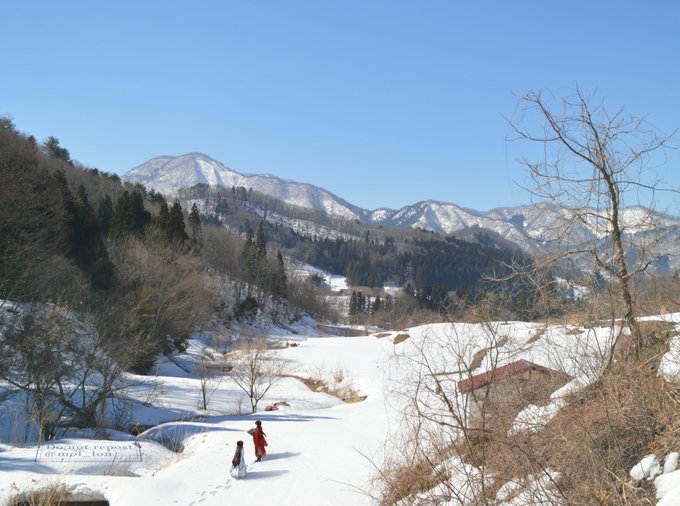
x: 317, y: 453
x: 321, y: 451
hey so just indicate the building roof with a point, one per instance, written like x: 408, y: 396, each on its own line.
x: 499, y: 373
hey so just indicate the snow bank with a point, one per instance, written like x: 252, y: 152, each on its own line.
x: 534, y: 418
x: 666, y: 479
x: 463, y: 486
x: 647, y: 469
x: 668, y: 489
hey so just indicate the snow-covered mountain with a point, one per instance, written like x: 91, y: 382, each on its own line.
x: 541, y: 222
x: 446, y: 218
x: 168, y: 174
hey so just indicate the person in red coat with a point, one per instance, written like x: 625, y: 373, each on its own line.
x: 259, y: 441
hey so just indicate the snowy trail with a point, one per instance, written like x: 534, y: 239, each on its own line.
x: 194, y: 477
x: 315, y: 456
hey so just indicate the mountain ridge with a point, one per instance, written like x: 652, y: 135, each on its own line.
x: 168, y: 174
x: 540, y: 221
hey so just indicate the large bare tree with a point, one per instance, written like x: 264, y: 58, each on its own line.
x: 593, y: 165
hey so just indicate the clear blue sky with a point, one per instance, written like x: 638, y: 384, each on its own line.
x: 384, y: 103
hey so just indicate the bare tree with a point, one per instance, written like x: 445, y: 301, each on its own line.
x: 208, y: 377
x: 70, y: 372
x: 163, y: 295
x: 29, y: 363
x: 592, y: 166
x: 256, y: 369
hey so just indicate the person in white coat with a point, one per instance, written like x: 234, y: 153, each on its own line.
x: 238, y: 463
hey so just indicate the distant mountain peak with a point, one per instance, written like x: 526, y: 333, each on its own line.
x: 167, y: 175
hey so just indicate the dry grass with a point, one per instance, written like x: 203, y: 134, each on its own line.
x: 600, y: 435
x: 345, y: 393
x: 479, y: 355
x: 402, y: 482
x: 604, y: 432
x: 594, y: 441
x: 658, y: 296
x: 658, y: 329
x: 54, y: 494
x: 400, y: 338
x: 383, y: 334
x: 536, y: 335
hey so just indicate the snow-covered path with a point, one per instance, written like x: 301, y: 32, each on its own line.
x: 315, y: 456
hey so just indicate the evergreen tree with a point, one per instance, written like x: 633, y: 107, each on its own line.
x: 121, y: 222
x: 353, y: 304
x: 175, y: 228
x: 52, y: 148
x: 162, y: 219
x: 260, y: 244
x: 129, y: 215
x: 83, y: 239
x: 377, y: 305
x: 361, y: 303
x: 222, y: 206
x: 259, y: 267
x: 104, y: 214
x: 247, y: 253
x: 279, y: 283
x: 388, y: 304
x: 195, y: 230
x: 140, y: 216
x: 247, y: 262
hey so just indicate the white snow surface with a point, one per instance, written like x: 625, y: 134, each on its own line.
x: 321, y: 450
x: 666, y: 479
x: 647, y: 469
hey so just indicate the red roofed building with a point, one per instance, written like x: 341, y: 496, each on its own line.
x: 510, y: 388
x: 523, y: 367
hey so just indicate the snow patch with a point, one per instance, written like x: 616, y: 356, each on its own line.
x: 647, y: 469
